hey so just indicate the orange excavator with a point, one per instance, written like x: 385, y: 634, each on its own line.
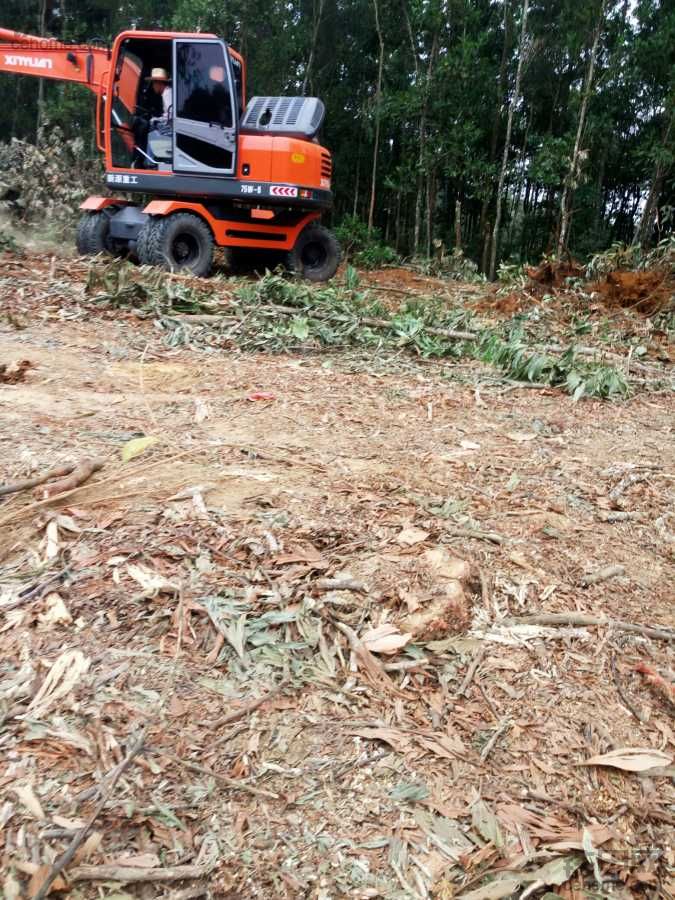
x: 173, y: 123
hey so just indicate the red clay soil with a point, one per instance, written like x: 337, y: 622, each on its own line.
x: 647, y: 292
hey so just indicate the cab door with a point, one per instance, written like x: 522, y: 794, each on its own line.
x: 204, y: 109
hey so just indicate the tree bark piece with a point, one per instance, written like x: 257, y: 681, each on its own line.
x: 602, y: 575
x: 340, y: 584
x: 78, y: 476
x: 29, y: 483
x: 582, y: 620
x: 135, y: 875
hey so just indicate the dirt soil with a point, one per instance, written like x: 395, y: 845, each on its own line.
x: 190, y: 661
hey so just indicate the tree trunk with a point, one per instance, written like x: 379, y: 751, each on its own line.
x: 458, y: 226
x: 507, y: 139
x: 570, y: 181
x: 496, y: 118
x: 42, y: 27
x: 645, y: 227
x: 378, y: 103
x: 315, y: 36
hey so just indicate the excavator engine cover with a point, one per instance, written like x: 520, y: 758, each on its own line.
x: 299, y: 117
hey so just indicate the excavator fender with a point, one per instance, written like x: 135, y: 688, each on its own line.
x: 95, y: 204
x: 166, y: 207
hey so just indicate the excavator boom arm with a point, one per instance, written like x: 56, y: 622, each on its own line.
x: 27, y: 54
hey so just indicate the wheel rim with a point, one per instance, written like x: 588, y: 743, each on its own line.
x: 185, y: 249
x: 313, y: 255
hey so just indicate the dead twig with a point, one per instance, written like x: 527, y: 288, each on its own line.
x: 243, y: 711
x: 501, y: 728
x: 619, y: 689
x: 78, y: 476
x: 471, y: 671
x: 581, y: 620
x: 340, y: 584
x: 223, y: 779
x: 602, y: 575
x: 624, y: 484
x: 29, y: 483
x: 81, y: 835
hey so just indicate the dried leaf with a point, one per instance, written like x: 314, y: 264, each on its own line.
x: 385, y: 639
x: 56, y: 612
x: 557, y: 871
x: 136, y: 446
x: 89, y: 847
x: 591, y: 855
x: 495, y: 890
x: 38, y: 878
x: 410, y: 793
x: 521, y: 437
x: 152, y: 582
x: 11, y: 888
x: 411, y: 536
x: 61, y: 679
x: 26, y: 795
x: 396, y: 739
x: 631, y: 759
x: 52, y: 540
x: 486, y: 823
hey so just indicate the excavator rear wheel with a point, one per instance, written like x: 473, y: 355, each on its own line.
x: 179, y: 242
x: 93, y: 234
x: 316, y: 254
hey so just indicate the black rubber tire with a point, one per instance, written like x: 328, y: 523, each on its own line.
x: 142, y: 240
x: 316, y: 255
x: 181, y: 242
x: 93, y: 234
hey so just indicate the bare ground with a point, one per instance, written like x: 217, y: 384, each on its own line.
x: 362, y: 775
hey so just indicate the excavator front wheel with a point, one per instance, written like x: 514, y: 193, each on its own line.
x: 316, y: 254
x: 93, y: 234
x: 181, y: 242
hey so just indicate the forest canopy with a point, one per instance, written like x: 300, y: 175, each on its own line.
x: 507, y: 129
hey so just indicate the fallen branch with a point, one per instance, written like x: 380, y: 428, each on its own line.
x: 490, y: 536
x: 340, y: 584
x: 602, y: 575
x: 29, y: 483
x: 80, y: 836
x: 78, y: 476
x: 581, y: 620
x: 136, y: 875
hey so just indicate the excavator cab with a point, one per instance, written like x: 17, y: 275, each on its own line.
x: 249, y: 177
x: 203, y: 122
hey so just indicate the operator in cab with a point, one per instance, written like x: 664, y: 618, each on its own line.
x: 160, y: 88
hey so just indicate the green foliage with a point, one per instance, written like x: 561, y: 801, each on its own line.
x: 280, y: 315
x: 8, y: 241
x: 365, y: 249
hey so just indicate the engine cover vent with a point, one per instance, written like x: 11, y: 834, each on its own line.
x: 289, y: 116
